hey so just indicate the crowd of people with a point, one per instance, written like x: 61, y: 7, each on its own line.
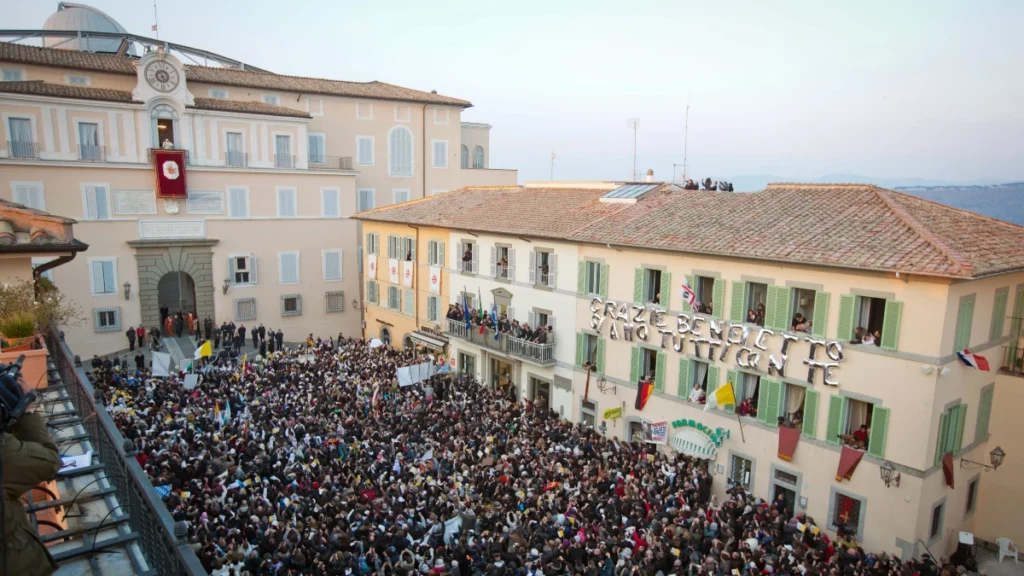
x: 708, y: 185
x: 502, y: 324
x: 314, y: 460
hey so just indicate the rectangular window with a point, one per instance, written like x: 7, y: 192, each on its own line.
x: 29, y: 194
x: 699, y: 375
x: 11, y: 75
x: 242, y: 269
x: 951, y: 429
x: 394, y: 298
x: 502, y: 255
x: 856, y: 427
x: 704, y: 288
x: 218, y: 93
x: 652, y: 286
x: 757, y: 296
x: 315, y: 106
x: 400, y: 195
x: 317, y: 146
x: 433, y: 309
x: 972, y: 496
x: 287, y: 203
x: 288, y: 267
x: 332, y: 265
x: 283, y: 157
x: 103, y: 275
x: 78, y: 80
x: 22, y: 138
x: 749, y: 394
x: 594, y: 278
x: 364, y: 111
x: 440, y: 154
x: 89, y: 148
x: 364, y: 150
x: 402, y: 113
x: 435, y: 253
x: 935, y: 526
x: 366, y: 198
x: 330, y: 203
x: 440, y: 116
x: 393, y: 246
x: 234, y: 150
x: 546, y: 268
x: 846, y: 512
x: 245, y: 309
x: 588, y: 414
x: 106, y: 319
x: 271, y: 99
x: 870, y: 320
x: 590, y: 343
x: 792, y: 405
x: 372, y: 292
x: 96, y: 201
x: 238, y: 202
x: 334, y: 301
x: 467, y: 364
x: 995, y: 330
x: 373, y: 243
x: 291, y: 305
x: 802, y: 305
x: 407, y: 249
x: 649, y: 363
x: 741, y: 471
x: 469, y: 258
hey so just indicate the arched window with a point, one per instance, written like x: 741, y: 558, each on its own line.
x: 385, y: 335
x: 162, y: 125
x: 400, y: 151
x: 478, y: 157
x: 465, y: 156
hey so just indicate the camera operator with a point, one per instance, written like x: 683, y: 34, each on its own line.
x: 29, y: 457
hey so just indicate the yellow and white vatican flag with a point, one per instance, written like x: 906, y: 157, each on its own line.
x: 721, y: 397
x: 205, y: 350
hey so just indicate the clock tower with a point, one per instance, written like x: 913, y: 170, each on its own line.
x: 161, y: 86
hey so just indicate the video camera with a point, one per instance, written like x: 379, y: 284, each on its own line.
x: 13, y: 401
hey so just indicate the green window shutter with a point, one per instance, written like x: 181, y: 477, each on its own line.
x: 666, y: 290
x: 581, y: 348
x: 879, y: 428
x: 581, y: 279
x: 600, y: 355
x: 634, y: 366
x: 638, y: 286
x: 683, y: 388
x: 762, y: 401
x: 940, y: 442
x: 998, y: 314
x: 737, y: 311
x: 718, y: 299
x: 984, y: 413
x: 732, y: 378
x: 783, y: 308
x: 835, y: 419
x: 410, y: 302
x: 774, y: 401
x: 810, y: 413
x: 958, y: 437
x: 1018, y: 312
x: 712, y: 380
x: 891, y: 324
x: 659, y: 372
x: 847, y: 307
x: 604, y: 280
x: 691, y: 280
x: 769, y: 307
x: 820, y: 314
x: 964, y: 319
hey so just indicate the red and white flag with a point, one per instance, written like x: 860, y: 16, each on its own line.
x: 689, y: 296
x: 973, y: 360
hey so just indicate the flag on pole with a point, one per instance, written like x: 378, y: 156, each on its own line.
x: 480, y: 308
x: 689, y: 296
x: 494, y: 318
x: 643, y: 393
x: 721, y: 397
x: 973, y: 360
x: 465, y: 308
x: 153, y: 27
x: 163, y: 491
x: 216, y: 412
x: 204, y: 351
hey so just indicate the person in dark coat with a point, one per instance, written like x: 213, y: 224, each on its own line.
x: 280, y: 339
x: 263, y: 332
x: 263, y: 348
x: 255, y: 338
x: 241, y: 333
x: 140, y: 361
x: 131, y: 339
x: 216, y: 339
x: 208, y: 327
x: 164, y: 313
x: 273, y: 345
x: 179, y: 324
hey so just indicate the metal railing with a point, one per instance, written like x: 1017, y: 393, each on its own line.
x: 23, y: 149
x: 543, y: 354
x: 503, y: 272
x: 284, y: 161
x: 467, y: 266
x: 236, y: 159
x: 543, y: 278
x: 1013, y: 351
x: 92, y: 153
x: 321, y: 162
x: 538, y: 353
x: 165, y: 548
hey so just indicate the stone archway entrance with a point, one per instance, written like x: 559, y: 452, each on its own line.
x: 175, y: 273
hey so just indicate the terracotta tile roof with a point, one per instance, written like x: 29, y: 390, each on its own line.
x: 27, y: 230
x: 844, y: 225
x: 247, y: 107
x: 112, y: 63
x: 512, y: 210
x: 40, y: 88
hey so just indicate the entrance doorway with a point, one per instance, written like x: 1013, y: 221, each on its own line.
x: 540, y: 393
x: 501, y: 374
x: 636, y: 432
x: 385, y: 335
x: 177, y: 291
x: 785, y: 488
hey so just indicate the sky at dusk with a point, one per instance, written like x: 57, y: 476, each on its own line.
x: 798, y: 89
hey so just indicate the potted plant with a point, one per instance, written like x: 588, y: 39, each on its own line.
x: 25, y: 316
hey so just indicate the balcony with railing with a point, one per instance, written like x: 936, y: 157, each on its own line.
x: 23, y: 149
x: 1012, y: 361
x: 236, y: 159
x: 468, y: 266
x: 188, y: 156
x: 502, y: 272
x: 92, y: 153
x: 533, y: 352
x: 321, y: 162
x: 284, y: 160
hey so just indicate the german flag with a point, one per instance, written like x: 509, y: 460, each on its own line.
x: 643, y: 393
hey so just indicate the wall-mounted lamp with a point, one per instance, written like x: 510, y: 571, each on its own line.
x: 944, y: 372
x: 355, y: 304
x: 224, y: 287
x: 127, y: 290
x: 995, y: 457
x: 889, y: 474
x: 926, y: 369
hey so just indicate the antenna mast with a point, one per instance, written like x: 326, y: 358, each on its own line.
x: 156, y: 21
x: 686, y: 137
x: 633, y: 123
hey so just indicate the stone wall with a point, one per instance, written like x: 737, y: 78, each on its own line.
x: 154, y: 260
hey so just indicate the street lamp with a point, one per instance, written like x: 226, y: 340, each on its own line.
x: 889, y: 474
x: 995, y: 457
x: 224, y: 287
x: 127, y: 290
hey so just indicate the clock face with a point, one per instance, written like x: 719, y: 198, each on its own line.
x: 162, y: 76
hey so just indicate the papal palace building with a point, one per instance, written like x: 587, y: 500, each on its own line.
x: 890, y: 434
x: 251, y: 220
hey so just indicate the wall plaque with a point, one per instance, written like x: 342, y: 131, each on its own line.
x: 172, y: 229
x: 205, y: 202
x: 127, y: 202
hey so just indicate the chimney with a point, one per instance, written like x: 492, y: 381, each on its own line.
x: 650, y: 175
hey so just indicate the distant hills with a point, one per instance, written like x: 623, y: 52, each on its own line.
x: 1002, y: 201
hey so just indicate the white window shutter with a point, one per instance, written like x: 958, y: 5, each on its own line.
x: 253, y: 278
x: 533, y: 267
x: 511, y: 264
x: 510, y: 313
x: 552, y: 269
x: 440, y: 255
x: 476, y: 260
x: 231, y: 270
x: 494, y: 262
x: 532, y: 319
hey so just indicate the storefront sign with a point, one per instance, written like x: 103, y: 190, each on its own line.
x: 697, y: 440
x: 713, y: 340
x: 716, y: 436
x: 613, y: 413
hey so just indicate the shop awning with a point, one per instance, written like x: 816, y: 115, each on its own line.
x: 848, y: 460
x: 947, y: 468
x: 788, y: 439
x: 428, y: 340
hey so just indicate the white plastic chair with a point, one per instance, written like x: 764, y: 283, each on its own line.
x: 1007, y: 548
